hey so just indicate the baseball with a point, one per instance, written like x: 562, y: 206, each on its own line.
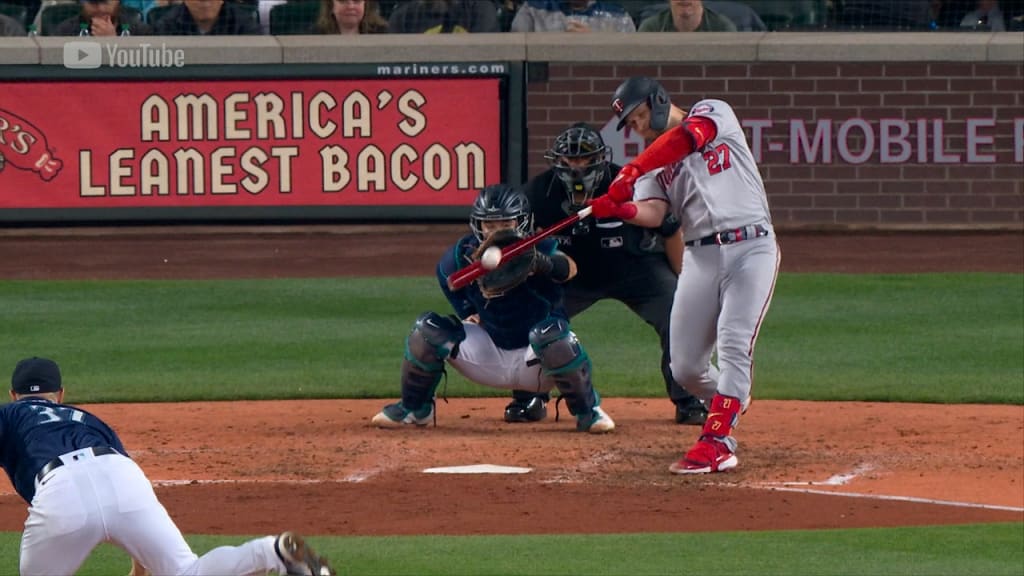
x: 491, y: 258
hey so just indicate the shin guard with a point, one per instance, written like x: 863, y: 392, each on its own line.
x: 563, y: 359
x: 433, y: 338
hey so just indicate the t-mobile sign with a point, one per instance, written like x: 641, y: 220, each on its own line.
x: 860, y: 141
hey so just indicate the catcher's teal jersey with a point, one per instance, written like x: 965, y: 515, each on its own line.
x: 507, y: 318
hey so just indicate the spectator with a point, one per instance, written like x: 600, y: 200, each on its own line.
x: 32, y: 8
x: 886, y: 14
x: 742, y: 15
x: 350, y: 17
x: 985, y: 16
x: 507, y: 10
x: 10, y: 27
x: 264, y: 7
x: 101, y: 18
x: 687, y: 16
x: 202, y: 17
x: 143, y: 6
x: 444, y: 17
x: 572, y: 16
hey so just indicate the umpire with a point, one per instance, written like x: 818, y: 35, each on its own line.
x: 636, y: 266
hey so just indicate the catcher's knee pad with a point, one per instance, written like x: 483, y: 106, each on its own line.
x: 563, y: 359
x: 433, y: 338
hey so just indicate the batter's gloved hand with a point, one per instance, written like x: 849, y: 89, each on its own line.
x: 605, y: 207
x: 621, y: 189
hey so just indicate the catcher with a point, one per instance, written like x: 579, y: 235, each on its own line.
x: 511, y: 330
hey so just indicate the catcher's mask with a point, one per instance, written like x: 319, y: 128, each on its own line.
x: 580, y: 160
x: 501, y: 202
x: 642, y: 90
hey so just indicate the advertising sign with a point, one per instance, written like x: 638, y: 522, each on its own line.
x: 406, y: 141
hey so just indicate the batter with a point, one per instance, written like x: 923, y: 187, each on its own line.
x: 701, y: 169
x: 636, y: 266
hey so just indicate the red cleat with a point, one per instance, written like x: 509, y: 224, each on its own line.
x: 708, y: 455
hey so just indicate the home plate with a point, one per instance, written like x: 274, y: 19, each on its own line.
x: 478, y: 469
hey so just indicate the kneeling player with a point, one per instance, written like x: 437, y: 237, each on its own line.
x: 516, y: 336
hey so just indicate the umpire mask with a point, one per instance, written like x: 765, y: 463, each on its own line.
x: 580, y: 160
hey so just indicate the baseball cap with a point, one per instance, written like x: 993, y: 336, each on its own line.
x: 35, y: 376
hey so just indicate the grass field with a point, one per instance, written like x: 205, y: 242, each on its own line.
x: 921, y: 338
x: 901, y: 338
x: 981, y: 550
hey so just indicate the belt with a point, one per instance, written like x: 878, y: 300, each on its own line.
x: 57, y: 462
x: 731, y: 236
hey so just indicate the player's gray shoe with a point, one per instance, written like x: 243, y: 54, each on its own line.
x: 597, y: 422
x: 299, y: 558
x: 397, y: 415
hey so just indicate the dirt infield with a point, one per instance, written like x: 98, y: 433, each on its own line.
x: 251, y: 467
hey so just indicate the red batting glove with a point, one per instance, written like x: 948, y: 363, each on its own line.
x: 605, y: 207
x: 621, y: 189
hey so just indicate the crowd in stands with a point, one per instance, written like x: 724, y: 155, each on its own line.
x: 201, y: 17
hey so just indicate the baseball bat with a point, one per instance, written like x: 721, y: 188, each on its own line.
x: 467, y: 274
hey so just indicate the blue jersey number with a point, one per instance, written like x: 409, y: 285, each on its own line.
x: 50, y: 414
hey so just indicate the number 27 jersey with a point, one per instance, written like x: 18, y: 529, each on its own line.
x: 716, y: 188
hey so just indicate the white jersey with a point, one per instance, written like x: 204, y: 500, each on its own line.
x: 716, y: 188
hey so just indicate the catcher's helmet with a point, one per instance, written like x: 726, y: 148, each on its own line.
x: 501, y: 202
x: 640, y: 90
x: 579, y: 141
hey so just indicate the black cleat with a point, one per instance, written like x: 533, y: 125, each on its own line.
x: 533, y: 410
x: 299, y: 558
x: 691, y: 412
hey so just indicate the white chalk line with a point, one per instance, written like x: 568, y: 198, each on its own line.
x: 882, y: 497
x: 845, y: 478
x: 834, y: 480
x: 361, y: 475
x: 162, y: 483
x: 599, y: 458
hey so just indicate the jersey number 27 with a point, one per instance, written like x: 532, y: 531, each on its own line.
x: 718, y: 159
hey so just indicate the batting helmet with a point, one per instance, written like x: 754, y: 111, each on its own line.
x: 579, y: 141
x: 642, y: 90
x: 501, y: 202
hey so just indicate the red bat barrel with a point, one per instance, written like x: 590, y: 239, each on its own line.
x: 464, y: 276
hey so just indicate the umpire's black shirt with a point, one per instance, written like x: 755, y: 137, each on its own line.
x: 605, y: 249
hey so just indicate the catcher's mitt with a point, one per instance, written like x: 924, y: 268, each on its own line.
x: 511, y: 272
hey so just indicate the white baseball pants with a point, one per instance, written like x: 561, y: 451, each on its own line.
x: 108, y: 498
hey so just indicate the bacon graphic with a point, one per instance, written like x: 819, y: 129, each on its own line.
x: 24, y: 146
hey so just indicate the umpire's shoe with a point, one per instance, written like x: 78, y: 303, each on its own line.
x: 533, y: 409
x: 299, y: 558
x: 691, y: 412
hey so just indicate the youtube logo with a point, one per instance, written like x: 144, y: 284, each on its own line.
x: 82, y: 55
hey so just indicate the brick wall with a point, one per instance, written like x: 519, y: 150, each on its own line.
x: 943, y: 182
